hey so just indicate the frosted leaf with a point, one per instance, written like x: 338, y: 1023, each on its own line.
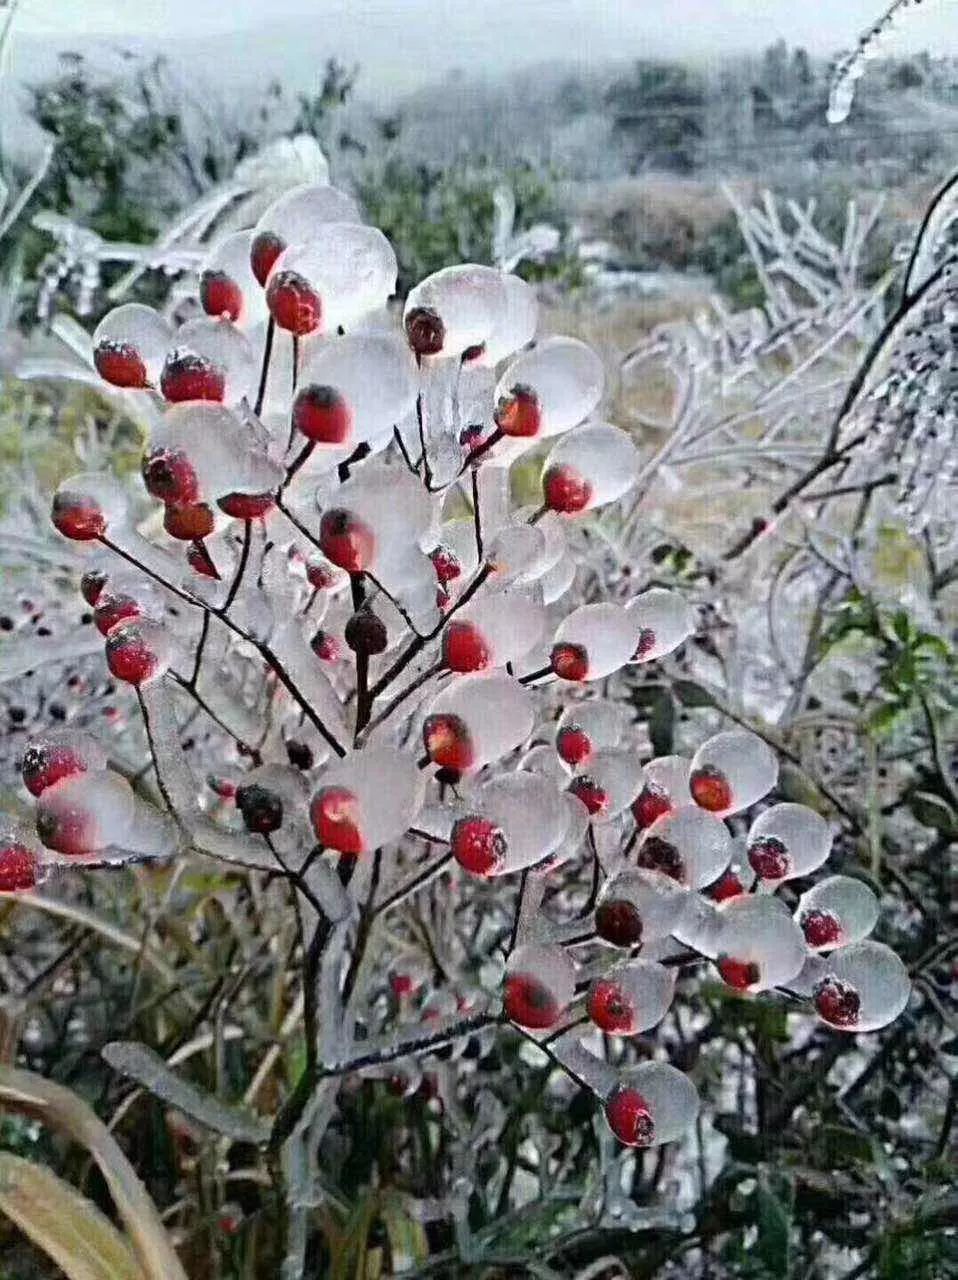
x: 592, y: 642
x: 758, y: 944
x: 294, y: 219
x: 689, y: 845
x: 664, y: 621
x: 608, y: 783
x: 151, y: 834
x: 209, y: 359
x: 375, y: 517
x: 224, y: 451
x: 542, y: 759
x: 227, y: 284
x: 22, y: 857
x: 549, y: 389
x: 511, y: 822
x: 492, y: 630
x: 539, y: 985
x: 85, y: 506
x: 477, y: 719
x: 639, y: 906
x: 699, y: 925
x: 555, y: 582
x: 631, y: 997
x: 455, y: 310
x: 85, y: 813
x: 516, y: 554
x: 588, y: 726
x: 130, y: 344
x: 653, y: 1103
x: 835, y: 912
x: 665, y: 786
x: 516, y: 323
x: 786, y: 841
x: 738, y: 877
x: 59, y: 755
x: 588, y: 468
x: 351, y: 268
x: 366, y: 800
x: 354, y: 388
x: 732, y: 770
x: 139, y: 652
x: 865, y: 986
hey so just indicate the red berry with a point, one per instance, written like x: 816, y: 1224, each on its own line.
x: 529, y: 1002
x: 366, y: 633
x: 189, y: 524
x: 319, y: 574
x: 77, y: 516
x: 573, y: 744
x: 478, y: 845
x: 91, y: 584
x: 446, y: 563
x: 463, y: 648
x: 651, y: 803
x: 335, y: 816
x: 18, y: 867
x: 321, y: 414
x: 618, y: 921
x: 821, y: 928
x: 246, y: 506
x: 293, y: 303
x: 119, y: 364
x: 570, y: 661
x: 769, y: 858
x: 264, y: 251
x: 200, y: 560
x: 837, y: 1002
x: 168, y: 475
x: 629, y: 1117
x: 565, y: 490
x: 710, y: 789
x: 346, y: 540
x: 188, y: 376
x: 113, y: 608
x: 220, y: 295
x: 447, y: 741
x: 644, y: 644
x: 43, y: 766
x: 586, y: 789
x: 610, y: 1008
x: 72, y: 832
x: 425, y: 332
x: 656, y: 854
x: 740, y: 974
x: 729, y: 886
x: 401, y: 984
x: 325, y: 646
x: 518, y: 413
x: 128, y: 655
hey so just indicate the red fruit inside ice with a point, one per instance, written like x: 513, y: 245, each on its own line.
x: 463, y: 648
x: 710, y: 789
x: 586, y: 789
x: 346, y: 540
x: 837, y: 1002
x: 570, y: 661
x: 656, y: 854
x: 478, y: 845
x: 119, y: 364
x: 565, y: 490
x: 72, y: 832
x: 114, y: 608
x: 189, y: 523
x: 401, y: 984
x: 728, y: 887
x: 91, y: 584
x: 821, y: 928
x: 261, y: 808
x: 740, y: 974
x: 319, y: 575
x: 769, y: 858
x: 629, y: 1117
x: 618, y: 921
x: 188, y: 376
x: 246, y: 506
x: 264, y: 251
x: 169, y: 476
x: 44, y: 765
x: 651, y: 803
x: 425, y: 331
x: 77, y: 517
x: 220, y: 295
x: 293, y: 303
x: 128, y: 655
x: 321, y: 414
x: 335, y: 817
x: 447, y: 741
x: 530, y: 1002
x: 200, y: 560
x: 445, y: 563
x: 18, y: 867
x: 573, y: 744
x: 325, y: 646
x: 518, y: 413
x: 609, y: 1007
x: 644, y: 644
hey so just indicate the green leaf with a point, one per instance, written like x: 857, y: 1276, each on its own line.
x: 774, y: 1221
x: 932, y: 811
x: 691, y: 694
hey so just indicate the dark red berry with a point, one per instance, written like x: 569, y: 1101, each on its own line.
x: 91, y: 584
x: 114, y: 607
x: 447, y: 741
x: 18, y: 867
x: 570, y: 661
x: 740, y: 974
x: 573, y: 745
x: 190, y: 523
x: 366, y: 633
x: 729, y: 886
x: 128, y: 655
x: 565, y: 490
x: 42, y: 766
x: 77, y: 516
x: 657, y: 854
x: 264, y: 251
x: 821, y: 928
x: 246, y: 506
x: 262, y: 809
x: 325, y: 646
x: 710, y: 789
x: 769, y: 858
x: 220, y: 295
x: 446, y: 563
x: 586, y: 789
x: 425, y: 332
x: 837, y: 1002
x: 618, y: 921
x: 321, y: 414
x: 652, y: 802
x: 293, y: 303
x: 168, y: 475
x: 478, y: 845
x: 188, y: 376
x: 518, y: 413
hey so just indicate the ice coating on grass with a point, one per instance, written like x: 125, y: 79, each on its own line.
x: 631, y: 996
x: 539, y: 985
x: 221, y: 345
x: 526, y: 808
x: 60, y: 754
x: 496, y: 715
x: 510, y: 623
x: 732, y: 770
x: 566, y: 378
x: 85, y: 813
x: 758, y: 930
x: 875, y: 975
x: 608, y: 782
x: 226, y: 276
x: 836, y: 912
x: 595, y: 465
x: 787, y: 840
x: 375, y: 376
x: 604, y: 632
x: 297, y: 214
x: 387, y: 789
x: 469, y: 302
x: 517, y: 321
x: 138, y: 328
x: 659, y: 902
x: 670, y: 1096
x: 663, y: 619
x: 351, y: 267
x: 690, y: 845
